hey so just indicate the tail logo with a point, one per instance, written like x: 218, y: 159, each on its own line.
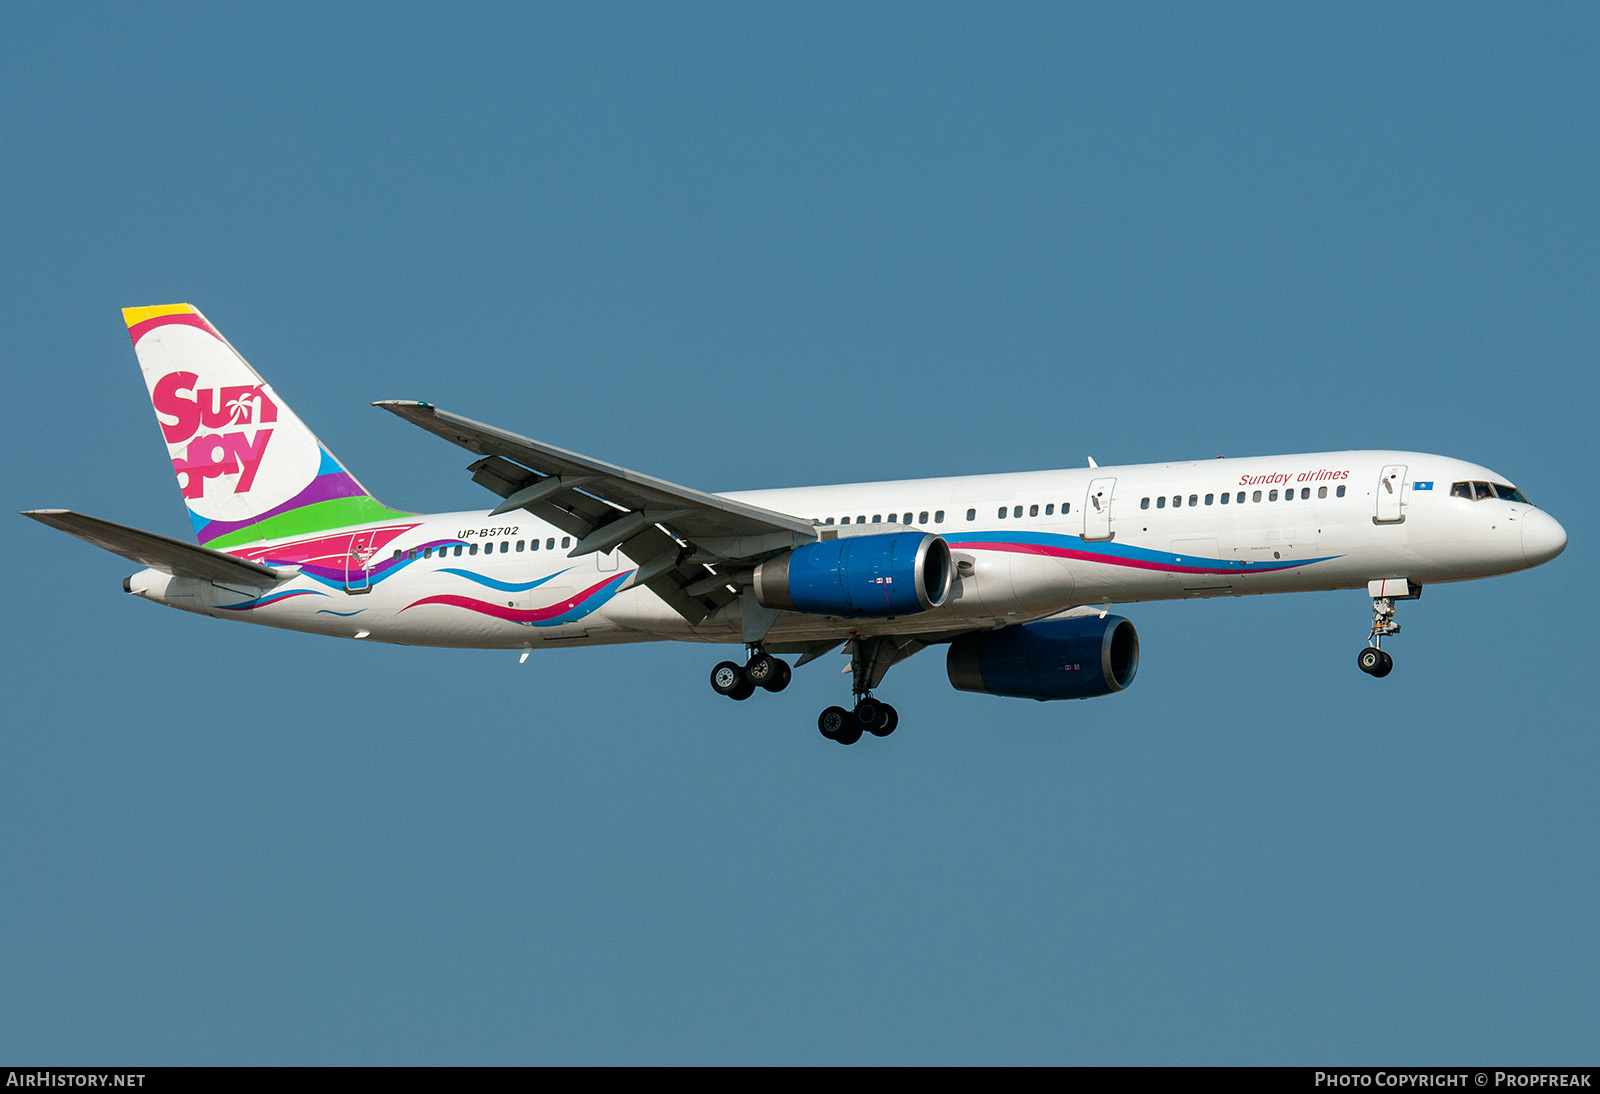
x: 184, y: 410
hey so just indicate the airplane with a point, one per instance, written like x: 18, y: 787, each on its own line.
x: 1014, y: 573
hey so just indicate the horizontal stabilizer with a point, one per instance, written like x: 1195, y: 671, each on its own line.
x: 170, y: 556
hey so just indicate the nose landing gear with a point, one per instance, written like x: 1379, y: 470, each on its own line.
x: 1373, y: 660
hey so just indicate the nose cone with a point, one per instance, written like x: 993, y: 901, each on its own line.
x: 1543, y: 538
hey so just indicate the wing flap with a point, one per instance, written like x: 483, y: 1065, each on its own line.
x: 170, y: 556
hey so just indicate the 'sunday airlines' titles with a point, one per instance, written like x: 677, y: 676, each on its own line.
x: 1278, y: 478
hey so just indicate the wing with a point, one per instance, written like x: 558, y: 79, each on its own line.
x: 691, y: 548
x: 170, y: 556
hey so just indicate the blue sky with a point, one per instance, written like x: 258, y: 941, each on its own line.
x: 765, y: 245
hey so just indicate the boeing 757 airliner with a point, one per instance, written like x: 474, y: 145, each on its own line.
x: 1014, y: 574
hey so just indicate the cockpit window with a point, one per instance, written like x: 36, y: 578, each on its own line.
x: 1481, y: 491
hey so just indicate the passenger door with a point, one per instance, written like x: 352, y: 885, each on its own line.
x: 1097, y: 509
x: 1391, y: 482
x: 355, y: 566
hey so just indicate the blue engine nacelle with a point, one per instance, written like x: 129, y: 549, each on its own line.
x: 1075, y: 658
x: 899, y: 573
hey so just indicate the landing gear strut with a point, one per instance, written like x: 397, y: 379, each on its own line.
x: 740, y: 681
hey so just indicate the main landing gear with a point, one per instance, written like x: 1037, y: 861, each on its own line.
x: 869, y: 716
x: 870, y: 658
x: 762, y: 671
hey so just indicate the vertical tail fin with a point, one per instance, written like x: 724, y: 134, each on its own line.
x: 248, y: 467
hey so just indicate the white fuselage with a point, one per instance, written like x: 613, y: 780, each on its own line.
x: 1067, y: 538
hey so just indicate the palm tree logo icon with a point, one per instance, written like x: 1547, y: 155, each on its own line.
x: 243, y: 409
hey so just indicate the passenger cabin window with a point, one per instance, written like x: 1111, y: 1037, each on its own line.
x: 1340, y: 491
x: 1256, y: 496
x: 1002, y: 513
x: 972, y: 514
x: 1161, y: 502
x: 877, y: 518
x: 1322, y: 492
x: 1017, y: 512
x: 1177, y: 501
x: 1144, y: 503
x: 1049, y: 509
x: 1240, y: 499
x: 894, y: 518
x: 922, y: 517
x: 1033, y: 510
x: 938, y: 516
x: 842, y: 520
x: 1272, y: 495
x: 1225, y: 498
x: 566, y: 541
x: 908, y: 518
x: 1194, y: 499
x: 1210, y: 498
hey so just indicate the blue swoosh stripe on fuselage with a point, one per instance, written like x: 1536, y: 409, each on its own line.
x: 1119, y: 554
x: 503, y: 586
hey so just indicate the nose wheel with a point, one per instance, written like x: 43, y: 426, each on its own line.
x: 1374, y: 662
